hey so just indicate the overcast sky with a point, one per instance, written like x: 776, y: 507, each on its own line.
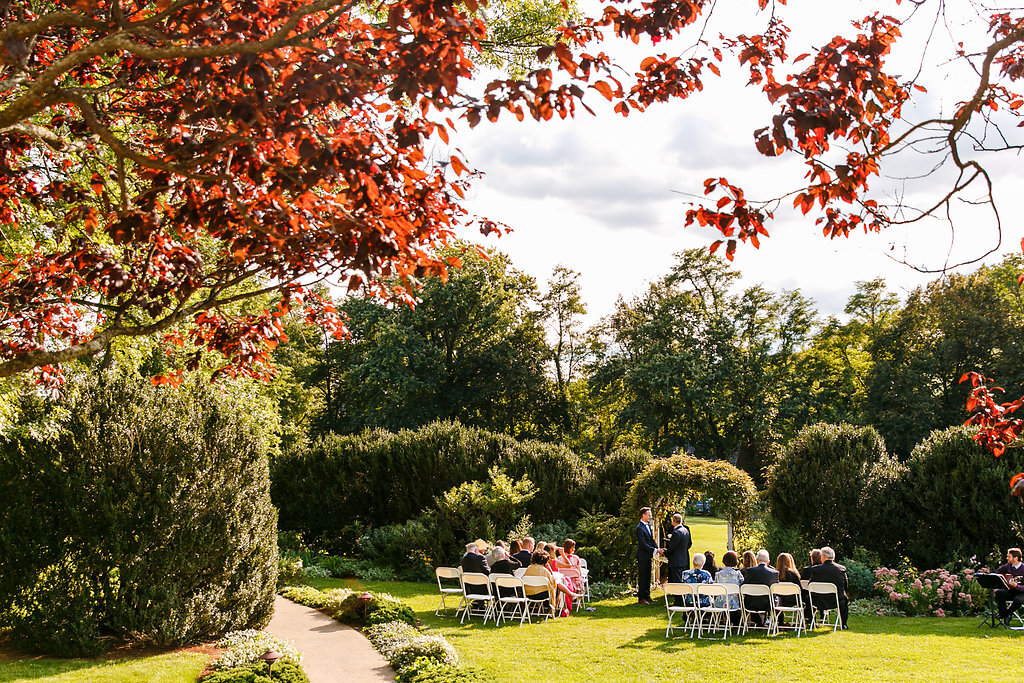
x: 606, y: 195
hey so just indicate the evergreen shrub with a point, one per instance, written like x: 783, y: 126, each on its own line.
x: 136, y: 513
x: 595, y: 562
x: 283, y: 672
x: 952, y: 500
x: 833, y: 484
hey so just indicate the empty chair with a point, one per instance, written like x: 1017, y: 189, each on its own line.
x: 477, y: 596
x: 585, y: 571
x: 510, y: 591
x: 756, y: 600
x: 784, y: 604
x: 715, y: 608
x: 448, y: 574
x: 824, y: 598
x: 688, y: 608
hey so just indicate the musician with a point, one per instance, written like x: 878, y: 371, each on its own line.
x: 1009, y: 600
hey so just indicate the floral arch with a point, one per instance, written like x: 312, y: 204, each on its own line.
x: 668, y: 483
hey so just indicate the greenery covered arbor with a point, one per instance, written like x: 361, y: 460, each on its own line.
x: 668, y: 483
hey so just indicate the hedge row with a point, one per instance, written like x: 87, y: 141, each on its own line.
x: 348, y: 484
x: 837, y: 485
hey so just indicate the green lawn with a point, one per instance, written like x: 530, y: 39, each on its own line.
x: 173, y: 667
x: 622, y: 641
x: 708, y: 533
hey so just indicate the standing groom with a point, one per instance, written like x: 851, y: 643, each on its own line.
x: 646, y: 548
x: 677, y: 550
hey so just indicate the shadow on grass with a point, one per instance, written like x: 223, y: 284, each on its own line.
x: 33, y: 667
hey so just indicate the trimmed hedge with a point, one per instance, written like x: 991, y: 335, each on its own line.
x: 286, y: 672
x: 339, y: 483
x: 953, y: 501
x: 137, y: 513
x: 832, y: 483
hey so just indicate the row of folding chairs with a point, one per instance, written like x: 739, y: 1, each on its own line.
x: 499, y: 596
x: 761, y: 607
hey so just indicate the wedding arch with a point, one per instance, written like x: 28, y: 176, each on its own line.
x: 669, y: 483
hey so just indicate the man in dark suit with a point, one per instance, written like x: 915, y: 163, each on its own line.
x: 506, y: 564
x: 526, y: 553
x: 645, y: 550
x: 760, y: 575
x: 805, y: 572
x: 677, y: 550
x: 830, y: 572
x: 473, y: 561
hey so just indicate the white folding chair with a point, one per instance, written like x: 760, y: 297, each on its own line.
x: 784, y: 593
x: 508, y: 590
x: 448, y: 574
x: 579, y: 595
x: 535, y: 605
x: 716, y: 597
x: 756, y: 591
x: 476, y: 591
x: 824, y: 598
x: 688, y: 609
x: 585, y: 571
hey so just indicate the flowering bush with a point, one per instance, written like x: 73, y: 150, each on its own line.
x: 404, y: 646
x: 387, y: 637
x: 934, y: 592
x: 245, y: 647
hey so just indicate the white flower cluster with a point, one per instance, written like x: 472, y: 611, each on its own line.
x: 387, y: 637
x: 401, y: 644
x: 245, y: 647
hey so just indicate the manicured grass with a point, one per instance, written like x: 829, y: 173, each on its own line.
x: 172, y: 667
x: 622, y: 641
x: 708, y: 533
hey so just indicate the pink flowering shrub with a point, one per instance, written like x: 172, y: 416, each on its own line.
x: 933, y: 592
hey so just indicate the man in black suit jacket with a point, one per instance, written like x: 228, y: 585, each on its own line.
x: 805, y: 572
x: 645, y: 549
x: 526, y: 553
x: 760, y: 575
x: 677, y: 550
x: 473, y: 561
x: 830, y: 572
x: 506, y: 565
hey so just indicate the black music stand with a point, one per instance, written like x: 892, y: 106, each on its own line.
x: 991, y: 583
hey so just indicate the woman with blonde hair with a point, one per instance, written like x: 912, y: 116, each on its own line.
x: 786, y: 566
x: 749, y: 560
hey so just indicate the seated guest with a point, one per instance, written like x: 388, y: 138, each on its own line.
x: 760, y: 575
x: 568, y: 559
x: 514, y: 546
x: 1010, y: 600
x: 831, y: 572
x: 698, y: 574
x: 748, y: 561
x: 539, y: 567
x: 492, y: 556
x: 805, y: 572
x: 553, y: 551
x: 709, y: 564
x: 526, y: 551
x: 505, y: 564
x: 786, y: 566
x: 730, y: 574
x: 473, y: 561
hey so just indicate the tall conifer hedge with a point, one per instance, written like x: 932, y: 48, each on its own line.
x: 134, y: 512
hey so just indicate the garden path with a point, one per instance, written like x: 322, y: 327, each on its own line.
x: 331, y: 652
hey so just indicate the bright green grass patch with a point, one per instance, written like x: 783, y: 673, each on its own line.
x: 173, y: 667
x: 708, y: 533
x: 622, y: 641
